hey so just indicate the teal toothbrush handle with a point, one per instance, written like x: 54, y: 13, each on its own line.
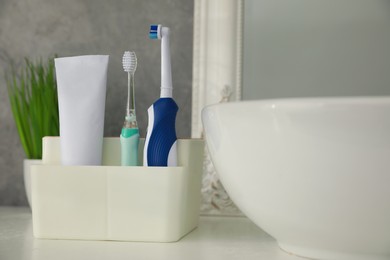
x: 129, y: 146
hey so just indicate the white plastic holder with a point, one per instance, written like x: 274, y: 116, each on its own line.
x: 112, y: 202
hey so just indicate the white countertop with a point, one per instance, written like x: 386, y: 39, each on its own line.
x: 215, y: 238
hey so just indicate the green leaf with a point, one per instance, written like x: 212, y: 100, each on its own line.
x: 32, y: 92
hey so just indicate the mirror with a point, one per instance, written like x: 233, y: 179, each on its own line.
x: 281, y: 48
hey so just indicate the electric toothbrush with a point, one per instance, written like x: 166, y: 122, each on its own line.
x: 130, y: 134
x: 161, y: 141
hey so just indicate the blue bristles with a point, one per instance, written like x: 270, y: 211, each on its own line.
x: 153, y: 33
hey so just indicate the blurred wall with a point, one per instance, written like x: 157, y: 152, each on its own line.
x: 41, y: 28
x: 302, y: 48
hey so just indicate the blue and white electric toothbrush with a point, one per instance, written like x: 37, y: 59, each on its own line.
x: 130, y: 133
x: 160, y: 144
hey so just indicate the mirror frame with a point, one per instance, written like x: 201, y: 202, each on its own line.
x: 216, y: 78
x: 217, y: 56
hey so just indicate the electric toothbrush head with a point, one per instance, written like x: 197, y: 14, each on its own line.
x: 155, y: 32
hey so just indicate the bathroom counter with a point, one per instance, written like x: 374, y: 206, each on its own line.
x: 215, y: 238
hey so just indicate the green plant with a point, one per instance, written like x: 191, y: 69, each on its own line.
x: 33, y: 97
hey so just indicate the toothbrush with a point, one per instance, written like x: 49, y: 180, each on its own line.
x: 130, y: 134
x: 161, y: 141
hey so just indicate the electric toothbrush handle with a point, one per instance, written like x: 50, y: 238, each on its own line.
x: 161, y: 141
x: 129, y: 149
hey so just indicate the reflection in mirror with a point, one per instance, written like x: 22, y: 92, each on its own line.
x: 307, y: 48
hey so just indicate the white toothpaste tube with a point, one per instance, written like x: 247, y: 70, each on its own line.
x: 81, y: 83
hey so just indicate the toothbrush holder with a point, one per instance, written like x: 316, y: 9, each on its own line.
x: 113, y: 202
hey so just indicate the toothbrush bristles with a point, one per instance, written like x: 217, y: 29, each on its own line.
x: 155, y: 31
x: 129, y: 61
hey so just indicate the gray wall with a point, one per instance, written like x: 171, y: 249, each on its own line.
x: 40, y: 28
x: 301, y: 48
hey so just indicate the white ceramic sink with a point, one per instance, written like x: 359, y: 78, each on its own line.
x: 313, y: 173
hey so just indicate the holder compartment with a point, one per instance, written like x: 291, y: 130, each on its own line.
x: 111, y: 202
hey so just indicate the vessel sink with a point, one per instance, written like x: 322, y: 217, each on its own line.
x: 314, y: 173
